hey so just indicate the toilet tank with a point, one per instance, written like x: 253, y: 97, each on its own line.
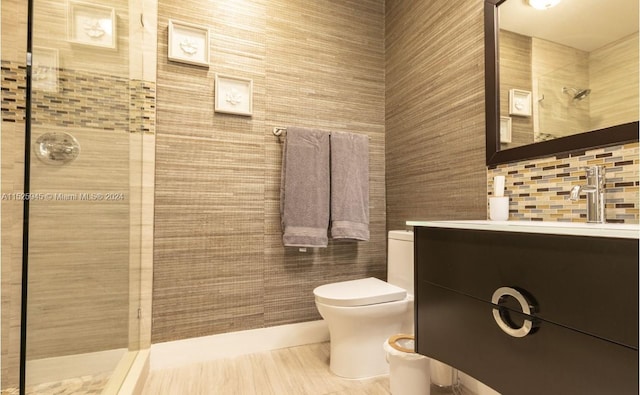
x: 400, y: 259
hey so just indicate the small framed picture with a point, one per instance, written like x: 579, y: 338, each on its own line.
x: 505, y: 129
x: 93, y: 25
x: 519, y: 102
x: 44, y: 70
x: 188, y: 43
x: 233, y: 95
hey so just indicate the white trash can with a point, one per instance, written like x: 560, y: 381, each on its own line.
x: 441, y: 374
x: 408, y: 371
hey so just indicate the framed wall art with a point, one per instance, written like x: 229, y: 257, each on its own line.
x: 233, y: 95
x: 505, y: 129
x: 44, y: 70
x: 519, y: 102
x: 188, y: 43
x: 91, y: 24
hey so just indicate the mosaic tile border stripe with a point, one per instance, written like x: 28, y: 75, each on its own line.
x: 14, y: 87
x: 82, y: 99
x: 538, y: 189
x: 143, y: 107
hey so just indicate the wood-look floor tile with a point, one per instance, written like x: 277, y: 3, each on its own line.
x: 302, y: 370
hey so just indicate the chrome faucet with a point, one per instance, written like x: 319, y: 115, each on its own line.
x: 595, y: 194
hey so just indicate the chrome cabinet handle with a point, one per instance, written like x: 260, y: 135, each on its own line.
x: 497, y: 298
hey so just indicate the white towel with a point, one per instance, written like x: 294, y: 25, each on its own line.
x: 349, y: 186
x: 304, y: 190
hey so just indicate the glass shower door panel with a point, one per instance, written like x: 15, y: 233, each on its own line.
x: 80, y: 227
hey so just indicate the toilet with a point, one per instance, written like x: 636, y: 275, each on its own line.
x: 362, y: 314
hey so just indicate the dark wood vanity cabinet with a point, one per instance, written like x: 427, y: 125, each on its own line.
x: 583, y: 292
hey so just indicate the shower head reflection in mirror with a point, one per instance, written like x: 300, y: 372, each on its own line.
x: 578, y: 93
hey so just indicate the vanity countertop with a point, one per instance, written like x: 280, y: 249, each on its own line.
x: 625, y: 231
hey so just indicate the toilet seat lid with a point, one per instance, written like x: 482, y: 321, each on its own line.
x: 361, y: 292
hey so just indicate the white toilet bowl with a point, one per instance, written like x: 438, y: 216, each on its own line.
x: 361, y: 315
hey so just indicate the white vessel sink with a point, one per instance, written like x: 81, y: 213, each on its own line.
x: 627, y: 231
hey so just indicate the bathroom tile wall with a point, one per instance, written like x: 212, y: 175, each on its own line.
x: 434, y: 111
x: 613, y: 72
x: 78, y: 249
x: 515, y: 73
x: 103, y: 128
x: 14, y: 37
x: 101, y: 99
x: 538, y: 189
x: 554, y: 67
x: 219, y: 263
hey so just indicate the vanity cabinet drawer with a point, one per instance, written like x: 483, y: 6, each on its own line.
x: 588, y: 284
x: 460, y: 331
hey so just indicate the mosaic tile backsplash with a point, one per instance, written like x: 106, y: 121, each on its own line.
x: 538, y: 189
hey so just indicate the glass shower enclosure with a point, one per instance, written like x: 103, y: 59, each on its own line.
x: 73, y: 160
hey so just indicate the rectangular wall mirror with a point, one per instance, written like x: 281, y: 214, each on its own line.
x: 566, y: 76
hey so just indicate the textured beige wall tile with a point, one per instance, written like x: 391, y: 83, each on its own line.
x: 12, y: 171
x: 515, y: 73
x: 555, y: 67
x: 79, y: 250
x: 219, y: 261
x: 50, y: 31
x: 613, y: 73
x: 14, y: 36
x: 434, y: 111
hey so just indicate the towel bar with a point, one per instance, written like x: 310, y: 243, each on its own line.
x: 277, y: 131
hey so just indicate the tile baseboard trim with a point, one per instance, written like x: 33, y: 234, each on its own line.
x: 133, y: 383
x: 179, y: 353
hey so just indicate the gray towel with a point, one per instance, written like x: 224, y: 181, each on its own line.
x: 304, y: 189
x: 349, y: 186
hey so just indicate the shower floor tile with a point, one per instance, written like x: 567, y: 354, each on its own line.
x: 86, y: 385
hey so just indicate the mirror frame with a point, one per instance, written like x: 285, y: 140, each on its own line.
x: 614, y: 135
